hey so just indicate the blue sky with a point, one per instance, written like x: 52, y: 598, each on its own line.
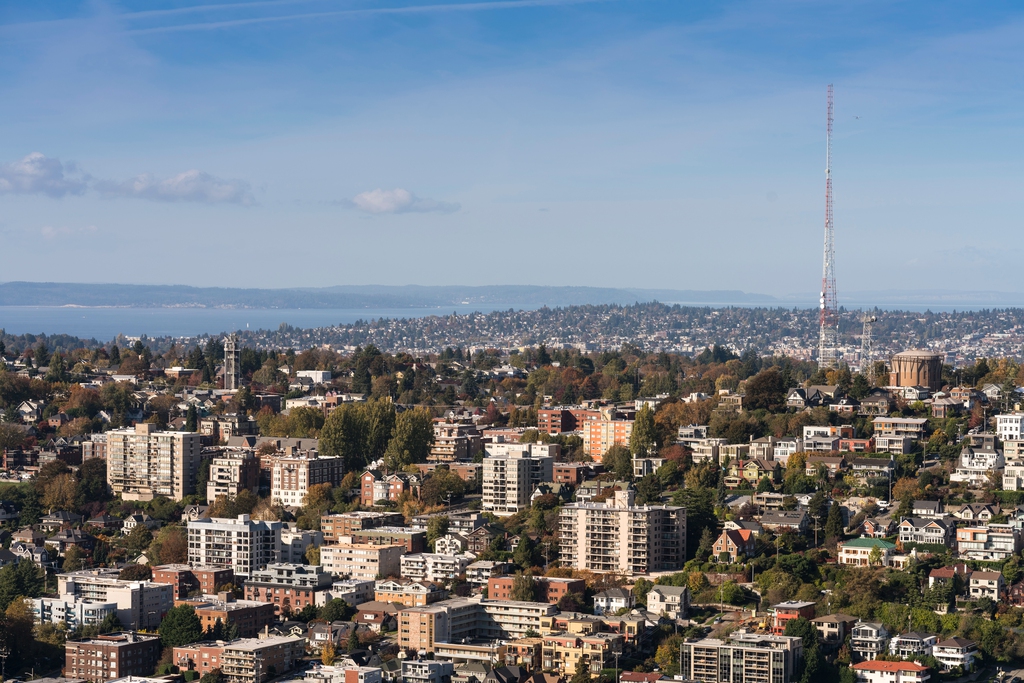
x: 644, y: 143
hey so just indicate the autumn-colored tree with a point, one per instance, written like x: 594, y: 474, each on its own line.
x: 327, y: 654
x: 61, y: 493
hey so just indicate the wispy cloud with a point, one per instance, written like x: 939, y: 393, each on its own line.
x: 372, y: 11
x: 40, y: 174
x: 190, y: 186
x: 51, y: 233
x: 400, y: 201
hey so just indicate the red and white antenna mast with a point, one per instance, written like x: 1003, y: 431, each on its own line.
x: 828, y: 340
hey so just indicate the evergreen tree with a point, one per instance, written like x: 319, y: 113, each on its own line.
x: 642, y: 440
x: 834, y: 522
x: 181, y: 626
x: 707, y: 545
x: 192, y: 420
x: 582, y: 674
x: 353, y: 639
x: 115, y: 355
x: 524, y: 588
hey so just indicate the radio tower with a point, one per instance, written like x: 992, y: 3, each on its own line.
x: 828, y: 339
x: 867, y: 361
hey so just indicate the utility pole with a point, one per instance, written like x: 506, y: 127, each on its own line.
x: 828, y: 336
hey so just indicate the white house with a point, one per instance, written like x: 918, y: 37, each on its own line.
x: 672, y: 601
x: 450, y: 544
x: 612, y: 600
x: 868, y: 640
x: 891, y: 672
x: 956, y: 652
x: 976, y: 464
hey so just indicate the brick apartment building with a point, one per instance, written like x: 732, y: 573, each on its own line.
x: 110, y: 656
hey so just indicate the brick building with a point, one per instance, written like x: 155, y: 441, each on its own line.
x: 110, y: 656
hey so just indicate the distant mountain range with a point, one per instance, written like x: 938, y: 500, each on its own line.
x: 491, y: 296
x: 351, y: 296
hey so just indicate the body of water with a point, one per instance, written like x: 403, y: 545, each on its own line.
x: 105, y: 324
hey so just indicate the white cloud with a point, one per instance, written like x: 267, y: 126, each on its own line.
x: 50, y: 232
x: 400, y: 201
x: 190, y: 186
x: 39, y: 174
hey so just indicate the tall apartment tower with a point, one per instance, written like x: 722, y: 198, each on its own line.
x: 231, y: 370
x: 143, y: 462
x: 243, y: 545
x: 622, y: 537
x: 510, y: 477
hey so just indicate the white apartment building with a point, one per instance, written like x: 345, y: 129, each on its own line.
x: 232, y: 473
x: 618, y: 536
x: 140, y: 604
x: 353, y: 591
x: 362, y: 560
x: 1013, y: 476
x: 1010, y: 426
x: 509, y: 478
x: 976, y: 464
x: 242, y: 545
x: 291, y: 477
x: 295, y: 542
x: 434, y: 567
x: 706, y: 449
x: 72, y: 611
x: 143, y: 463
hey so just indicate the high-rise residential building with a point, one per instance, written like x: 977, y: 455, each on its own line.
x: 510, y: 476
x: 231, y: 473
x: 111, y: 656
x: 742, y: 657
x: 140, y: 604
x: 143, y: 462
x: 292, y: 476
x: 232, y: 370
x: 619, y: 536
x: 600, y: 435
x: 242, y: 545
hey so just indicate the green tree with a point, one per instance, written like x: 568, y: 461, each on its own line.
x: 875, y: 556
x: 336, y: 610
x: 72, y: 559
x: 642, y: 440
x: 136, y: 572
x: 353, y: 639
x: 92, y: 480
x: 764, y: 485
x: 139, y: 539
x: 344, y: 435
x: 803, y: 628
x: 412, y: 439
x: 436, y: 528
x: 582, y: 673
x: 524, y: 588
x: 648, y: 490
x: 834, y: 523
x: 441, y: 484
x: 619, y: 462
x: 707, y: 543
x: 192, y: 419
x: 181, y: 626
x: 380, y: 427
x: 524, y: 552
x: 641, y: 588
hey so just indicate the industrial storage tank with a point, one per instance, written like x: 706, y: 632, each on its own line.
x: 916, y: 368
